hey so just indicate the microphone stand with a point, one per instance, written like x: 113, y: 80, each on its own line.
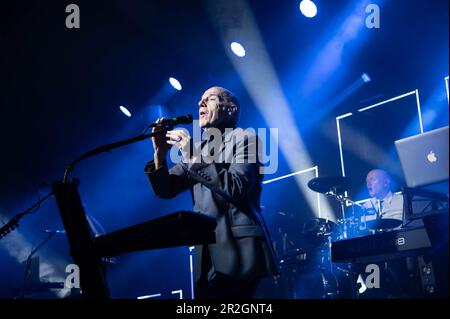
x: 111, y: 146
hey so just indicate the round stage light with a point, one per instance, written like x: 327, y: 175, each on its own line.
x: 366, y: 78
x: 237, y: 49
x: 308, y: 8
x: 125, y: 111
x: 175, y: 83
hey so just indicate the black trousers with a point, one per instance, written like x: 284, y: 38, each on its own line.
x: 222, y: 286
x: 216, y: 285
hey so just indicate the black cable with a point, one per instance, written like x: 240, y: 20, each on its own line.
x: 28, y: 262
x: 36, y: 191
x: 13, y: 223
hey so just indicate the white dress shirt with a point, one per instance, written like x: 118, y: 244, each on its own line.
x: 391, y: 206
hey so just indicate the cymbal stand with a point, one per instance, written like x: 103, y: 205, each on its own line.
x: 343, y: 200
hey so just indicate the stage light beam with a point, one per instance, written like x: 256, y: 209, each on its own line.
x: 264, y: 88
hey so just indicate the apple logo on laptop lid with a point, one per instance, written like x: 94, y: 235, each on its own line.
x: 431, y: 157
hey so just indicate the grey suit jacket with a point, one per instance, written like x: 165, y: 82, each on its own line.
x: 230, y: 192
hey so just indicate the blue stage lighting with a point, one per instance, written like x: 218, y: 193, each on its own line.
x: 125, y: 111
x: 308, y: 8
x: 175, y: 83
x: 366, y: 78
x: 237, y: 49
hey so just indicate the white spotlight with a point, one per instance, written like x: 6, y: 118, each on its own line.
x: 237, y: 49
x: 175, y: 83
x: 125, y: 111
x: 366, y: 78
x: 308, y: 8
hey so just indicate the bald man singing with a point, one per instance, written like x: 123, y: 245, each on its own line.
x: 229, y: 191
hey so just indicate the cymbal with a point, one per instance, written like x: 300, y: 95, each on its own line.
x: 337, y: 184
x: 384, y: 223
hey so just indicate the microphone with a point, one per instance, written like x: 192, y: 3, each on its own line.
x: 184, y: 119
x: 56, y: 231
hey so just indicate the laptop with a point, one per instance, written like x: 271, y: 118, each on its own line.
x: 424, y: 158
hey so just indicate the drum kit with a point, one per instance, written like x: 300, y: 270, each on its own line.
x: 357, y: 222
x: 308, y: 271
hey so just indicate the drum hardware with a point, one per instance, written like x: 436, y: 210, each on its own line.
x: 334, y: 187
x: 350, y: 223
x: 348, y: 226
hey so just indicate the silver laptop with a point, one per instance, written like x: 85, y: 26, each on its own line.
x: 424, y: 157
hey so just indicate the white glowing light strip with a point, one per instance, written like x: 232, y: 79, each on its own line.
x: 344, y: 116
x: 149, y: 296
x: 387, y: 101
x: 446, y: 86
x: 289, y: 175
x: 191, y: 269
x: 180, y: 292
x: 317, y: 194
x: 418, y: 110
x: 340, y: 149
x: 340, y: 146
x: 340, y: 141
